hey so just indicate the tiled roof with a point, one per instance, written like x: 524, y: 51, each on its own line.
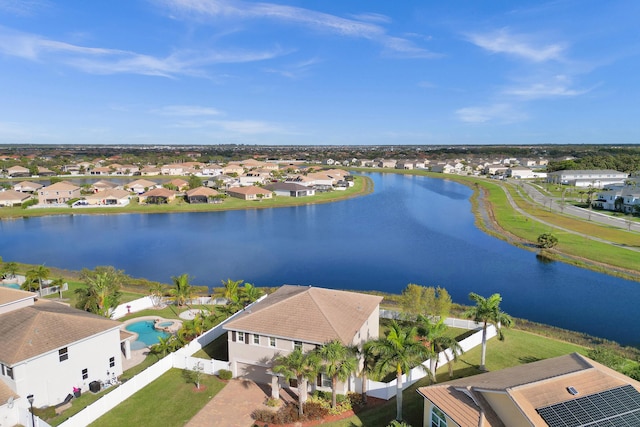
x: 530, y: 386
x: 160, y: 192
x: 11, y: 195
x: 46, y: 326
x: 141, y: 183
x: 9, y: 295
x: 249, y: 190
x: 314, y: 315
x: 61, y: 186
x: 202, y: 191
x: 111, y: 193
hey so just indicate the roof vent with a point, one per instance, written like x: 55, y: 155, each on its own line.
x: 572, y: 390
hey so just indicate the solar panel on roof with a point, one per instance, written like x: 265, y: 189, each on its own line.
x: 618, y: 407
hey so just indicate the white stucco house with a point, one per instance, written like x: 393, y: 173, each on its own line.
x: 302, y: 317
x: 48, y: 348
x: 588, y: 178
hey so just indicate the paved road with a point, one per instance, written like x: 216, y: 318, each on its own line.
x: 587, y: 214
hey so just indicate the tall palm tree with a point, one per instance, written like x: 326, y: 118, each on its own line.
x: 301, y: 366
x: 434, y: 336
x: 182, y: 290
x: 156, y: 291
x: 59, y: 282
x: 487, y: 311
x: 102, y: 292
x: 368, y: 359
x: 338, y: 362
x: 249, y: 293
x: 231, y: 290
x: 399, y: 351
x: 10, y: 269
x: 39, y: 273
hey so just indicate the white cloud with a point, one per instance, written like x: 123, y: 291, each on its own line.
x: 113, y: 61
x: 503, y: 41
x: 296, y: 70
x: 504, y: 113
x: 187, y: 111
x: 358, y: 28
x: 559, y: 86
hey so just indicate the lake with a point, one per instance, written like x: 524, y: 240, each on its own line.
x: 411, y: 229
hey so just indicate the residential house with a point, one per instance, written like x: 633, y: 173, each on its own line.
x: 302, y: 317
x: 178, y: 183
x: 570, y: 390
x: 250, y: 193
x: 405, y: 164
x: 201, y: 195
x: 139, y: 186
x: 186, y: 168
x: 587, y: 178
x: 210, y: 170
x: 10, y: 198
x: 290, y: 189
x: 27, y: 186
x: 102, y: 185
x: 150, y: 171
x: 618, y: 198
x: 109, y: 197
x: 495, y: 169
x: 387, y: 163
x: 58, y: 193
x: 222, y: 182
x: 158, y: 196
x: 232, y: 169
x: 520, y: 172
x: 254, y: 177
x: 443, y: 168
x: 42, y: 171
x: 17, y: 171
x: 48, y: 348
x: 101, y: 170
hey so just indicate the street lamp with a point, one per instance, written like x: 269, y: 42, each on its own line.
x: 30, y: 399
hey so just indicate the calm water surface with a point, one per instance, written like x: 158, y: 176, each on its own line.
x: 410, y: 230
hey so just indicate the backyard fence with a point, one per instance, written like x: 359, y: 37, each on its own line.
x: 180, y: 359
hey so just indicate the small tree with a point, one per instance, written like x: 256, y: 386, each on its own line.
x: 547, y: 241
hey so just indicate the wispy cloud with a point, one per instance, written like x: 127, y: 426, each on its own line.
x: 22, y: 7
x: 504, y: 113
x: 186, y: 111
x: 296, y: 70
x: 114, y: 61
x: 558, y: 86
x: 518, y: 45
x: 366, y: 26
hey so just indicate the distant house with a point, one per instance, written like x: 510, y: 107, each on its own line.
x: 101, y: 170
x: 42, y: 171
x: 290, y: 189
x: 587, y: 178
x: 520, y: 172
x: 48, y: 348
x: 387, y: 164
x: 10, y: 198
x: 495, y: 169
x: 233, y: 169
x: 186, y: 168
x: 178, y: 183
x: 570, y: 390
x: 302, y: 317
x: 201, y: 195
x: 110, y: 197
x: 139, y: 186
x: 250, y: 193
x: 150, y: 171
x: 443, y: 168
x: 58, y: 193
x: 405, y: 164
x: 18, y: 171
x: 158, y: 196
x: 101, y: 185
x: 254, y: 177
x: 27, y: 187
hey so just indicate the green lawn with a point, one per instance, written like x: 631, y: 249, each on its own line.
x: 517, y: 348
x: 217, y: 349
x: 171, y: 400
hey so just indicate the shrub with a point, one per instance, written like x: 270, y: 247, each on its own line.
x: 355, y: 399
x: 28, y: 203
x: 314, y: 411
x: 272, y: 402
x: 263, y: 415
x: 224, y: 374
x: 396, y: 423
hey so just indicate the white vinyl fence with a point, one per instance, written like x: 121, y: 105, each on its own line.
x: 180, y: 359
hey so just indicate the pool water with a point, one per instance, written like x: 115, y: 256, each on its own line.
x: 147, y: 334
x: 11, y: 285
x: 164, y: 324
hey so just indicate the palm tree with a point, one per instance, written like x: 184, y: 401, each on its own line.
x: 368, y: 358
x: 249, y: 293
x: 182, y: 290
x: 399, y: 351
x: 434, y: 336
x: 487, y: 311
x: 156, y: 291
x: 39, y: 273
x: 231, y: 290
x: 59, y: 282
x: 10, y: 269
x: 301, y: 366
x: 164, y: 346
x: 102, y: 292
x: 339, y: 362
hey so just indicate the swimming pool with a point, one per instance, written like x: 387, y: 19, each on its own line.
x: 147, y: 334
x: 10, y: 285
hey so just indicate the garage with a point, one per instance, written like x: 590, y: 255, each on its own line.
x: 254, y: 373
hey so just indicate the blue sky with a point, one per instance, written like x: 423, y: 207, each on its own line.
x: 319, y: 72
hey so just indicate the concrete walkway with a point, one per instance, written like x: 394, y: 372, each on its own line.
x: 232, y: 407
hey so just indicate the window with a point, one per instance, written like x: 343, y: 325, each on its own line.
x: 9, y: 372
x: 438, y: 419
x: 272, y: 341
x: 240, y: 336
x: 63, y: 354
x: 324, y: 381
x: 297, y: 345
x: 256, y: 339
x: 85, y: 374
x: 112, y: 362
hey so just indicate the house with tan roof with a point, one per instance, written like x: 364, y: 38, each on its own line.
x: 302, y: 317
x: 58, y: 193
x: 202, y: 195
x: 110, y: 197
x: 158, y: 196
x: 232, y: 169
x: 103, y: 185
x: 48, y: 348
x: 139, y: 186
x: 27, y: 187
x: 10, y: 198
x: 179, y: 183
x: 250, y: 193
x: 570, y: 390
x: 17, y: 171
x: 290, y: 189
x: 150, y: 171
